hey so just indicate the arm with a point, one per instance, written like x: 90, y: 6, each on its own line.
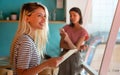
x: 67, y: 43
x: 63, y: 43
x: 80, y: 43
x: 53, y: 62
x: 24, y: 56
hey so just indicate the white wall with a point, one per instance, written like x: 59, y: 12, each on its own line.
x: 102, y: 15
x: 74, y: 3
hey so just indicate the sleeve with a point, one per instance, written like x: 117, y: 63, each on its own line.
x: 85, y: 33
x: 24, y: 54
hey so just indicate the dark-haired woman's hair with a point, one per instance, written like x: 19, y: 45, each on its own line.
x: 77, y: 10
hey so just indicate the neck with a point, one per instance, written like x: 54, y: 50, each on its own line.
x: 32, y: 35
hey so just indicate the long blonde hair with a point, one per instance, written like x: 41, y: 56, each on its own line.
x: 24, y: 28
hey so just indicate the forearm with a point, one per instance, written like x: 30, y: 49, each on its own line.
x: 77, y: 45
x: 63, y: 44
x: 50, y: 63
x: 70, y: 44
x: 33, y: 71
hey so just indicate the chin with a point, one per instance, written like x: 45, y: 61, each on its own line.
x: 41, y: 28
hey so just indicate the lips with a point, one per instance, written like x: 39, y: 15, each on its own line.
x: 41, y: 25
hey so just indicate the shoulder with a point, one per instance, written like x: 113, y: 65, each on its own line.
x: 82, y: 29
x: 84, y: 32
x: 24, y: 39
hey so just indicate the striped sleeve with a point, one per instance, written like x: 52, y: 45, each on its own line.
x: 24, y: 53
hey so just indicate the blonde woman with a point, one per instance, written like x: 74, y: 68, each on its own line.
x: 30, y: 41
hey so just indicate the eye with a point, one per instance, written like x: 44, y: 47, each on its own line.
x: 45, y: 16
x: 41, y: 15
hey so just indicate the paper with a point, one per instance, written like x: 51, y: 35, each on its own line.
x: 68, y: 54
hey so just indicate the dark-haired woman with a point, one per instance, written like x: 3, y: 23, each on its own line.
x: 75, y: 34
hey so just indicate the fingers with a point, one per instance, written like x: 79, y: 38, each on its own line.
x: 84, y: 47
x: 59, y: 60
x: 62, y: 31
x: 54, y: 62
x: 64, y: 34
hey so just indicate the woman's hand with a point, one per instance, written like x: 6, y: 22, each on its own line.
x: 64, y: 35
x: 83, y: 47
x: 54, y: 62
x: 50, y: 63
x: 66, y: 39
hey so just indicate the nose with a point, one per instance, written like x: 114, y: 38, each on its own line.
x: 43, y: 19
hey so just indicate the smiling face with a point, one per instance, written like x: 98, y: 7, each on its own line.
x: 37, y: 19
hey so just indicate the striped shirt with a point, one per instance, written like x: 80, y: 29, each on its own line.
x: 26, y: 54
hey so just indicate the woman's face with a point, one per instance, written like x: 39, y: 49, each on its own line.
x: 74, y: 17
x: 37, y: 19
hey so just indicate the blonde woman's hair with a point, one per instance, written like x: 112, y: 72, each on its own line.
x: 24, y: 28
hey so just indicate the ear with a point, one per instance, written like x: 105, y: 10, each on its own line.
x: 27, y: 19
